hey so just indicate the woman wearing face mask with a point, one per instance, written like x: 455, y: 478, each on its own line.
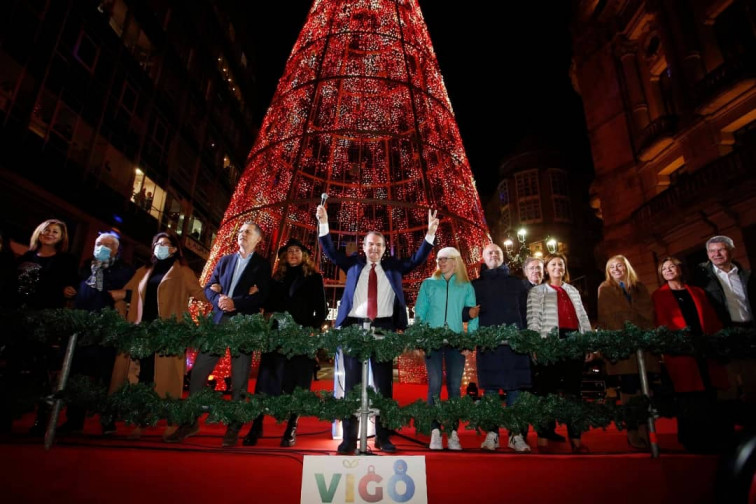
x: 557, y: 304
x: 440, y: 303
x: 162, y: 290
x: 623, y: 298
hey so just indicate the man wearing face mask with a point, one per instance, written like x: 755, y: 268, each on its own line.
x: 103, y: 276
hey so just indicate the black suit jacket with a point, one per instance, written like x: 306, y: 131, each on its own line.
x: 706, y: 278
x: 256, y: 273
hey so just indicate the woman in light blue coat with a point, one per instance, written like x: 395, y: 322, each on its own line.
x: 440, y: 303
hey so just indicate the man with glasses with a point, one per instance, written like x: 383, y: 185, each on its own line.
x: 372, y: 296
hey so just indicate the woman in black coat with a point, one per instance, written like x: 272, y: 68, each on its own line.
x: 47, y: 274
x: 296, y: 288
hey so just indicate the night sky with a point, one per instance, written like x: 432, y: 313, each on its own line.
x: 505, y: 66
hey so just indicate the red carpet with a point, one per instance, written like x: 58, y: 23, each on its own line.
x: 89, y: 468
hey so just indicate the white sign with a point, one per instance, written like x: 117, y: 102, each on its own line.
x: 356, y: 480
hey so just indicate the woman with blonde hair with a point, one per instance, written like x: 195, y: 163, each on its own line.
x: 46, y: 276
x: 555, y: 304
x: 47, y: 273
x: 622, y: 299
x: 440, y: 303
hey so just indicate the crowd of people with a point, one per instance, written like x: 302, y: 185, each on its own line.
x: 711, y: 396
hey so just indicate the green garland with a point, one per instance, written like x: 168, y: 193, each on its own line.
x: 140, y: 405
x: 248, y: 333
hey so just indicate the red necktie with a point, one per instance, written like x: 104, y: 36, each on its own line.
x: 372, y: 308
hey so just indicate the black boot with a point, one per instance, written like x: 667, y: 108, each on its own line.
x: 382, y: 441
x: 349, y: 428
x: 290, y: 435
x: 255, y: 432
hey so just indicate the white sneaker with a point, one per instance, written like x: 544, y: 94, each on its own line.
x: 518, y: 444
x: 491, y: 442
x: 453, y: 443
x: 436, y: 443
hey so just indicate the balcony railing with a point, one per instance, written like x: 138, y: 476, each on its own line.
x: 726, y: 172
x: 659, y: 128
x: 724, y: 77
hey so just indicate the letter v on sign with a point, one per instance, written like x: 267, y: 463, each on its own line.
x: 326, y: 494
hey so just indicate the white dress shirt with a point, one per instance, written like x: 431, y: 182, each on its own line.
x: 735, y: 295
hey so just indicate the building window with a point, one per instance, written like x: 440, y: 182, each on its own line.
x: 128, y: 99
x: 504, y: 212
x: 562, y: 209
x: 195, y: 227
x: 527, y: 184
x: 528, y: 197
x: 43, y: 113
x: 147, y: 195
x: 173, y: 218
x: 559, y: 184
x: 530, y: 210
x: 560, y: 196
x: 65, y: 121
x: 86, y: 52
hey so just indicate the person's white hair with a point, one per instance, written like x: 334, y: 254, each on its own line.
x: 111, y: 235
x: 448, y: 252
x: 721, y: 239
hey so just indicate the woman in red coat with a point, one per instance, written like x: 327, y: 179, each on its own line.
x: 695, y: 380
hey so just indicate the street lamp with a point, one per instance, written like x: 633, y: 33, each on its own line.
x: 515, y: 257
x: 551, y: 245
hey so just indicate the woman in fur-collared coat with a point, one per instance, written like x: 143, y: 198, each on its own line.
x: 622, y: 299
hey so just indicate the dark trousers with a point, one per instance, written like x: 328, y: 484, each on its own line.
x: 95, y: 362
x: 563, y: 377
x: 298, y: 372
x: 383, y: 380
x: 204, y: 365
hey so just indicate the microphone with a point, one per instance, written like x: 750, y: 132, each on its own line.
x: 323, y: 198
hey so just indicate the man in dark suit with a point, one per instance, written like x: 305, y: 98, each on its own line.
x: 239, y: 284
x: 391, y: 310
x: 731, y: 289
x: 729, y: 286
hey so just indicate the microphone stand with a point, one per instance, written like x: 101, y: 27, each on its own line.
x: 365, y: 411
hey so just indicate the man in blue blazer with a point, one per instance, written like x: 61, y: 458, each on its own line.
x: 391, y: 310
x: 239, y: 284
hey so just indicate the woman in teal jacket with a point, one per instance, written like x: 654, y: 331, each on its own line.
x: 440, y: 302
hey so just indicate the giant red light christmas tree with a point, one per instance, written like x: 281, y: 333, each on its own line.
x: 361, y: 113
